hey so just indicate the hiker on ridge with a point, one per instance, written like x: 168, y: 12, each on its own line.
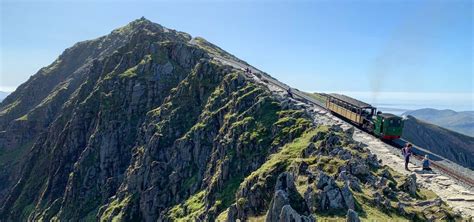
x: 407, y: 152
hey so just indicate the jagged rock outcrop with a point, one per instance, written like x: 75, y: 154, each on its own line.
x: 409, y: 185
x: 279, y: 200
x: 280, y: 209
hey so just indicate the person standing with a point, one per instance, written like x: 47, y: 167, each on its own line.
x: 406, y: 151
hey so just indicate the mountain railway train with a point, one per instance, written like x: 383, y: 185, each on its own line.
x: 385, y: 126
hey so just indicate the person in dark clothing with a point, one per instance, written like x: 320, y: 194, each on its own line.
x: 426, y: 163
x: 406, y: 151
x: 289, y: 92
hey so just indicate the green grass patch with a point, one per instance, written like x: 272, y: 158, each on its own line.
x: 227, y: 195
x: 9, y: 107
x: 287, y: 154
x: 23, y: 118
x: 190, y: 209
x: 115, y: 210
x: 330, y: 165
x: 129, y: 73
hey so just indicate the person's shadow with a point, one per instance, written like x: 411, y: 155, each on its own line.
x: 424, y: 171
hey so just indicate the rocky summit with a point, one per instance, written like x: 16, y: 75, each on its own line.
x: 145, y: 124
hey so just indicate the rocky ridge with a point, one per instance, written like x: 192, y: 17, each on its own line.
x: 143, y: 124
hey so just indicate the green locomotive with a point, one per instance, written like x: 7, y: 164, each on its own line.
x: 383, y: 125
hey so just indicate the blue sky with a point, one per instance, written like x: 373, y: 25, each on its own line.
x: 363, y: 46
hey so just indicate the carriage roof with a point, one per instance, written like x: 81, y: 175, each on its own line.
x: 351, y: 101
x: 388, y: 115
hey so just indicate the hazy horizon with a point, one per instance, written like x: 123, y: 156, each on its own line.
x: 398, y: 102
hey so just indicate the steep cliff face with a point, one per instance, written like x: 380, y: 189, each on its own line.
x: 31, y: 109
x: 143, y: 124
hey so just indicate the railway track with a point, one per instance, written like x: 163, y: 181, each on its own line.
x: 300, y: 95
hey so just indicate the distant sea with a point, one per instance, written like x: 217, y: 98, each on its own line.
x: 400, y: 102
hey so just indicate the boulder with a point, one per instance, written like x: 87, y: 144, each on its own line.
x: 288, y: 214
x: 319, y: 136
x: 349, y: 132
x: 409, y: 185
x: 388, y: 192
x: 348, y: 197
x: 382, y: 182
x: 335, y: 151
x: 354, y: 183
x: 312, y: 199
x: 303, y: 168
x: 279, y: 200
x: 386, y: 173
x: 331, y: 199
x: 378, y: 199
x: 358, y: 167
x: 332, y: 140
x: 435, y: 202
x: 401, y: 208
x: 336, y: 128
x: 352, y: 216
x: 310, y: 150
x: 344, y: 154
x: 285, y: 182
x: 371, y: 180
x: 324, y: 180
x: 387, y: 204
x: 373, y: 161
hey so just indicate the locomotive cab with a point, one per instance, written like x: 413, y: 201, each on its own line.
x: 388, y: 126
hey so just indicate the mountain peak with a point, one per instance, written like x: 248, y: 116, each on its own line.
x: 141, y: 21
x: 143, y: 25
